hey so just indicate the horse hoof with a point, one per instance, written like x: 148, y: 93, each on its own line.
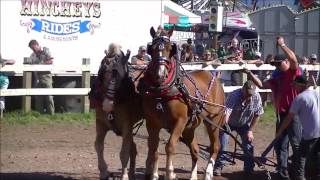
x: 172, y: 176
x: 208, y: 176
x: 106, y: 177
x: 125, y: 177
x: 151, y: 177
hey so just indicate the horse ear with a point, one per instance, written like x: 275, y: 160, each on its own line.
x: 127, y: 55
x: 152, y: 32
x: 170, y: 32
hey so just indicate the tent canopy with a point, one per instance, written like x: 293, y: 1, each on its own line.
x: 176, y: 15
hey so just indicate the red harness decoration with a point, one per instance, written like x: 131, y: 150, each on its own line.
x: 165, y: 89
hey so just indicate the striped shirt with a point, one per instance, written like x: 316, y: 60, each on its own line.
x: 242, y: 114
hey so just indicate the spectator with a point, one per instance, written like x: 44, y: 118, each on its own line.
x: 187, y: 54
x: 243, y: 110
x: 214, y: 54
x: 304, y: 61
x: 193, y: 48
x: 287, y: 68
x: 314, y: 59
x: 306, y: 107
x: 4, y: 81
x: 207, y: 56
x: 234, y: 48
x: 249, y: 54
x: 43, y: 104
x: 221, y: 50
x: 314, y: 76
x: 142, y: 57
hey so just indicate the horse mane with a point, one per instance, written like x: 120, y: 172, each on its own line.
x: 113, y: 50
x: 161, y: 32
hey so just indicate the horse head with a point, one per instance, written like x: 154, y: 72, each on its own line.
x: 162, y: 52
x: 113, y: 70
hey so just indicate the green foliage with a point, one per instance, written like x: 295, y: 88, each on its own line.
x: 18, y: 117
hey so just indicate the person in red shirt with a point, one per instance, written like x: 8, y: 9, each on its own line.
x: 287, y: 68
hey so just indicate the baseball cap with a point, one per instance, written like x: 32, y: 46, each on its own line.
x: 278, y: 58
x: 313, y: 56
x: 142, y: 48
x: 301, y: 80
x: 250, y: 87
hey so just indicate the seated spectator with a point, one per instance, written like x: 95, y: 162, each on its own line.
x: 142, y: 57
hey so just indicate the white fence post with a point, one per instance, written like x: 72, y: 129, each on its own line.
x: 85, y: 83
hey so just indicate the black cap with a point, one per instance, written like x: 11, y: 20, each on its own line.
x: 301, y: 80
x: 250, y: 87
x: 278, y: 58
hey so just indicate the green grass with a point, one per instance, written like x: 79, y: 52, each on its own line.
x: 18, y: 117
x: 268, y: 115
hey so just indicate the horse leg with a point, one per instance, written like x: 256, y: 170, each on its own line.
x: 191, y: 142
x: 127, y: 141
x: 213, y: 133
x: 133, y: 155
x: 170, y: 147
x: 101, y: 131
x: 152, y: 159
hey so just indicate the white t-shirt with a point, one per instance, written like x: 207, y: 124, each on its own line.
x: 306, y: 107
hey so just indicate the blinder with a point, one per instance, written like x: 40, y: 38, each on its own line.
x: 159, y: 40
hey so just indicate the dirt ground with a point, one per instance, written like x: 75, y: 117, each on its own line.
x: 65, y: 151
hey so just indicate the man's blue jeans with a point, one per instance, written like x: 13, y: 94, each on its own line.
x: 224, y: 139
x: 292, y: 134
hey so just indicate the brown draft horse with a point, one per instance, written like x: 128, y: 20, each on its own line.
x: 120, y: 109
x: 174, y: 113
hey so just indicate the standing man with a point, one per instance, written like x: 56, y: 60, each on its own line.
x: 287, y: 68
x: 243, y: 110
x: 43, y: 104
x: 306, y: 107
x: 142, y: 57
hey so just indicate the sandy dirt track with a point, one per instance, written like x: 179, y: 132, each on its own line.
x: 65, y: 151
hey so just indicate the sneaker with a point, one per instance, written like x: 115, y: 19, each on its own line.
x: 217, y: 171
